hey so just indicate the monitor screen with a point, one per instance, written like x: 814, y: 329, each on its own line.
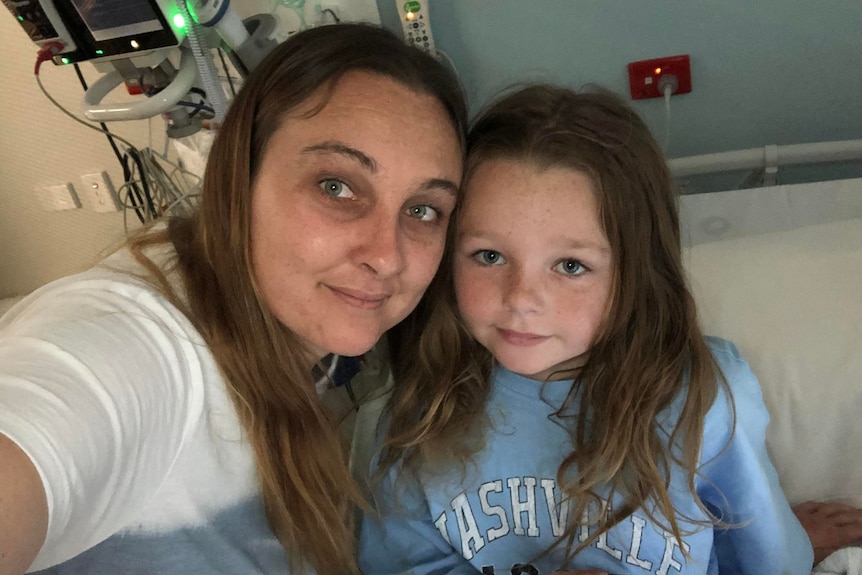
x: 109, y: 29
x: 111, y: 19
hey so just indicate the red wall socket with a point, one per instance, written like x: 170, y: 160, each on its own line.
x: 644, y: 76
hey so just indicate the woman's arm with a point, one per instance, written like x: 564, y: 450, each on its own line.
x: 99, y: 385
x: 23, y: 509
x: 830, y: 526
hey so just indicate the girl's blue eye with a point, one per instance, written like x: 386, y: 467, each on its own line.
x: 489, y: 257
x: 423, y: 213
x: 335, y: 188
x: 570, y: 267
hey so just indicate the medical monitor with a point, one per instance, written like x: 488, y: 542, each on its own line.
x: 97, y: 30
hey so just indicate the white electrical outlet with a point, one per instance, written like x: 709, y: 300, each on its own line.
x: 97, y: 193
x: 58, y: 197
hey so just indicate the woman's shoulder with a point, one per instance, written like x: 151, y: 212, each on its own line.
x: 115, y: 291
x: 105, y: 325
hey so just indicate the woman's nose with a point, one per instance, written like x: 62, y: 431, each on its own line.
x: 381, y: 246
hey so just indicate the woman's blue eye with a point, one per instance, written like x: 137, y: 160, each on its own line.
x: 489, y: 257
x: 423, y: 213
x: 335, y: 188
x: 571, y: 267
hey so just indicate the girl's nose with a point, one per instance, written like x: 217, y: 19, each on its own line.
x: 522, y: 293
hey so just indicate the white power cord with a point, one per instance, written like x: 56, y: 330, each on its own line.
x: 667, y: 85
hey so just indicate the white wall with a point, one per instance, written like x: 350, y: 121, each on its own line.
x: 39, y: 145
x: 763, y: 72
x: 767, y: 72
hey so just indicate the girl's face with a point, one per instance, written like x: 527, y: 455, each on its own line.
x: 533, y: 267
x: 350, y: 210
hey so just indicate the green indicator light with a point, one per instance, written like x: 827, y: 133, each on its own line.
x: 100, y: 52
x: 179, y: 21
x: 65, y: 60
x: 21, y: 18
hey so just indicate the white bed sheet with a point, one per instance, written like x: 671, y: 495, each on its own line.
x: 792, y: 302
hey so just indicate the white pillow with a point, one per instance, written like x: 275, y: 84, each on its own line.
x: 792, y: 303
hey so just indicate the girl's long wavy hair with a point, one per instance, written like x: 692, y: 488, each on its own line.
x: 649, y: 352
x: 308, y: 490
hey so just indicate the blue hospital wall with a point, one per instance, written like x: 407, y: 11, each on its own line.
x: 763, y: 72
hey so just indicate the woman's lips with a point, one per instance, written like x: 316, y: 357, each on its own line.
x: 358, y: 298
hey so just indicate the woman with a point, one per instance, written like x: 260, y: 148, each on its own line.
x: 159, y: 411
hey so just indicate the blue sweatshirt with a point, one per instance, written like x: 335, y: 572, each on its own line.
x: 500, y: 515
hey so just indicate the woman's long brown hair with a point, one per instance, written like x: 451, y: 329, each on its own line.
x: 308, y: 490
x: 649, y: 352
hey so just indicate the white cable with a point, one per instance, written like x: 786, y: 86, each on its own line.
x: 186, y: 199
x: 158, y: 103
x: 164, y: 154
x: 172, y: 189
x: 667, y: 95
x: 167, y: 192
x: 667, y: 85
x: 76, y: 118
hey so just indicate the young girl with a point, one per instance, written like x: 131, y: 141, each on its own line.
x: 570, y: 415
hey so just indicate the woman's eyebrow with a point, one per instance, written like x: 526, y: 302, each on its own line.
x: 441, y: 184
x: 334, y: 147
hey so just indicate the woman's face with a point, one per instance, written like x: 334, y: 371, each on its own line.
x: 350, y: 210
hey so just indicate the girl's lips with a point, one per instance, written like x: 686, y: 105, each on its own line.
x: 520, y: 338
x: 358, y: 298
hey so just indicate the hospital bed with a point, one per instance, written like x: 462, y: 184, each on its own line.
x: 778, y: 271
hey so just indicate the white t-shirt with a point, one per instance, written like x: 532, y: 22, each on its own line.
x: 114, y: 396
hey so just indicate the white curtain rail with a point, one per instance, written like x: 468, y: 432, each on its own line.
x: 770, y: 156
